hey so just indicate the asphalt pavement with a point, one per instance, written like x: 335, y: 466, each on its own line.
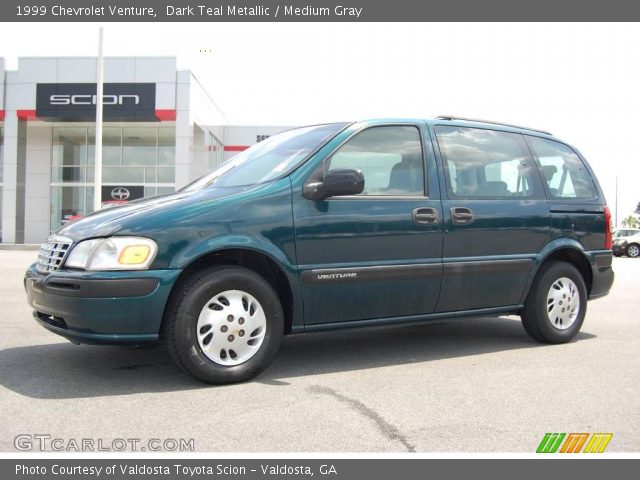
x: 463, y: 385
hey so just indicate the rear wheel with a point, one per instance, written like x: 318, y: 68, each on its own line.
x: 224, y: 325
x: 556, y: 305
x: 633, y: 250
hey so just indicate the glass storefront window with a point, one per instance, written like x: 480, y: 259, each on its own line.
x: 111, y: 145
x: 166, y: 174
x: 69, y: 146
x: 123, y: 175
x: 216, y: 152
x: 131, y: 155
x: 69, y: 202
x: 139, y: 146
x: 165, y: 190
x: 166, y: 146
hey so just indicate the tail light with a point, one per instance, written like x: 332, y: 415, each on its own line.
x: 608, y: 235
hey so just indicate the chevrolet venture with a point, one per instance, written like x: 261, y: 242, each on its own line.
x: 332, y: 226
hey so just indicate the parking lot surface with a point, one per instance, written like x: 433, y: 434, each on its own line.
x: 464, y: 385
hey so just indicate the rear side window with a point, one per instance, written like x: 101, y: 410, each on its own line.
x: 390, y: 158
x: 483, y: 163
x: 563, y: 171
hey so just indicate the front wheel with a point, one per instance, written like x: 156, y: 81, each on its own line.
x: 224, y: 325
x: 633, y: 250
x: 556, y: 305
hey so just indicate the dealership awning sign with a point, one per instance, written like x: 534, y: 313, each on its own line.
x: 74, y: 102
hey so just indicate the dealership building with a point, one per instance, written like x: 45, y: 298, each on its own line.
x: 161, y: 130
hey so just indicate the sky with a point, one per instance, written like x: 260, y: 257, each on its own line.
x: 579, y: 81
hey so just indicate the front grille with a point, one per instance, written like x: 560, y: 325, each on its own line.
x: 52, y: 254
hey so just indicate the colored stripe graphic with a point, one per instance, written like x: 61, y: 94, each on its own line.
x: 26, y: 115
x: 235, y: 148
x: 166, y: 115
x: 550, y: 443
x: 574, y: 443
x: 598, y: 443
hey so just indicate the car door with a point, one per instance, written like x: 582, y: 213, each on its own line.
x: 496, y: 217
x: 376, y: 254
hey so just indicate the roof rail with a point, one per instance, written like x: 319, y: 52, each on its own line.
x: 475, y: 120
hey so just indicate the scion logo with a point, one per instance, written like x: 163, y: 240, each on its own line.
x: 120, y: 193
x: 92, y: 99
x: 574, y: 442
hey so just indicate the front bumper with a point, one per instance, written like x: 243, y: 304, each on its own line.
x: 100, y: 307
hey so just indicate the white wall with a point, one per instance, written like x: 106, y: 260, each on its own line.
x: 1, y: 108
x: 34, y: 70
x: 1, y: 83
x: 13, y: 166
x: 247, y: 135
x: 198, y: 118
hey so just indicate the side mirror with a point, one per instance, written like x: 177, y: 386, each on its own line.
x: 340, y: 181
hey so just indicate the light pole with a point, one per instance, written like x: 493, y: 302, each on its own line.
x: 97, y: 175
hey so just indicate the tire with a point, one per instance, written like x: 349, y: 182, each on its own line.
x: 548, y: 316
x: 632, y: 250
x: 228, y: 305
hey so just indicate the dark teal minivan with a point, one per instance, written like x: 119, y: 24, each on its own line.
x: 331, y: 226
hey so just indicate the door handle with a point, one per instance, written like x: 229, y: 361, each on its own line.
x: 425, y: 215
x: 461, y: 215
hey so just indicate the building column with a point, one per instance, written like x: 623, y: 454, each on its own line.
x: 15, y: 143
x: 184, y: 130
x: 37, y: 217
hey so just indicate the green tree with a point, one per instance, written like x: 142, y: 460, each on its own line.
x: 630, y: 221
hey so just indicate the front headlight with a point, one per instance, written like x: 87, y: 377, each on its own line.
x: 115, y: 253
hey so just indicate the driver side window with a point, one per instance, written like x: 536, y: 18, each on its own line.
x: 390, y: 158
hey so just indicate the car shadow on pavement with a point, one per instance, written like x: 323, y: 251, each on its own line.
x: 63, y: 370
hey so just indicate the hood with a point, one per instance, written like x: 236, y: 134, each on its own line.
x: 128, y: 218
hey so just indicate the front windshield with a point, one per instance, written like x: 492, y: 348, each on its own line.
x: 269, y: 159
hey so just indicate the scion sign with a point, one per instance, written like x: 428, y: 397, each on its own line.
x: 77, y: 101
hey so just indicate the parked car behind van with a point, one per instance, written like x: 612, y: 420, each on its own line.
x: 624, y: 232
x: 621, y: 238
x: 333, y: 226
x: 619, y: 246
x: 630, y: 245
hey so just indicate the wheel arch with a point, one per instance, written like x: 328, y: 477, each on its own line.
x: 264, y: 264
x: 565, y: 250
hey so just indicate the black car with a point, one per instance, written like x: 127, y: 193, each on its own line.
x: 619, y: 246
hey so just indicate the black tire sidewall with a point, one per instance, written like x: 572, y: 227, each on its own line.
x: 627, y: 250
x: 215, y: 281
x: 547, y: 278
